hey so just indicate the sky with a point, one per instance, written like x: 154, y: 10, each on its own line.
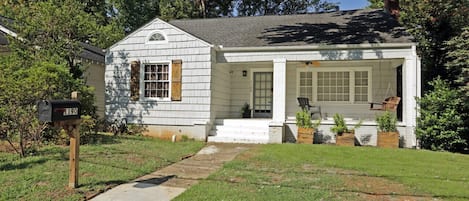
x: 351, y: 4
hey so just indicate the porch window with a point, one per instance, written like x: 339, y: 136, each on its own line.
x: 339, y: 85
x: 156, y: 81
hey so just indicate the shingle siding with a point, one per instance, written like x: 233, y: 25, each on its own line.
x: 196, y: 76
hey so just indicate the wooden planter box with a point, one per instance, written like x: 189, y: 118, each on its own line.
x: 305, y: 135
x: 345, y: 139
x: 388, y: 139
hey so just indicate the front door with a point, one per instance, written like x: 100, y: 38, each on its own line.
x: 263, y: 88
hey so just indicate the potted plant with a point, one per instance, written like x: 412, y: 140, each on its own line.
x: 305, y: 127
x: 388, y: 136
x: 246, y: 111
x: 344, y: 136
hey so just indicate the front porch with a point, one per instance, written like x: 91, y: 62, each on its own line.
x: 343, y: 80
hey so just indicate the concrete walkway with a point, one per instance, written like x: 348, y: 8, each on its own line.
x: 171, y: 181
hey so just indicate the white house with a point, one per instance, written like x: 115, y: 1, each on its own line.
x: 191, y: 77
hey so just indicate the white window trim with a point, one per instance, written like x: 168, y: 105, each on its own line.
x: 336, y: 69
x: 147, y: 41
x: 142, y: 81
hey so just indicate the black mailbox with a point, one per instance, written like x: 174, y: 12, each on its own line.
x: 58, y: 110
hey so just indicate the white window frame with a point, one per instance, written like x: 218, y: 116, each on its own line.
x: 351, y: 71
x: 157, y: 42
x: 142, y: 80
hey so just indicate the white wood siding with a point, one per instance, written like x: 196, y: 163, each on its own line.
x: 196, y: 77
x: 241, y: 87
x: 221, y: 91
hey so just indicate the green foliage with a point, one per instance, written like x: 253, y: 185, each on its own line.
x: 433, y: 23
x: 303, y: 120
x: 136, y: 129
x: 458, y: 58
x: 443, y: 123
x: 87, y: 129
x: 375, y: 4
x: 387, y: 122
x: 245, y: 108
x: 273, y: 7
x: 340, y: 126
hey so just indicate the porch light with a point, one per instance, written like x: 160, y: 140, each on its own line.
x: 245, y: 73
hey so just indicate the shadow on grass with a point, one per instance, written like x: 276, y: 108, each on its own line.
x: 22, y: 165
x: 98, y: 139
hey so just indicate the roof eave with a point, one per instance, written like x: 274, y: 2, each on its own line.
x: 317, y: 47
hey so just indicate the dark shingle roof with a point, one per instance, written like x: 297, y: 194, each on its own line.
x: 89, y: 52
x: 341, y: 27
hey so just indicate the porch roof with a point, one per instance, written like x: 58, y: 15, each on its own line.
x: 369, y: 26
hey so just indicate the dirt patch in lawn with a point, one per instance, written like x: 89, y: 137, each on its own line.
x: 6, y: 147
x: 376, y: 188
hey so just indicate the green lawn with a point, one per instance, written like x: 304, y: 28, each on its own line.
x: 115, y: 160
x: 324, y: 172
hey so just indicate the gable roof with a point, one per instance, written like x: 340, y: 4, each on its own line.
x: 89, y: 51
x: 342, y: 27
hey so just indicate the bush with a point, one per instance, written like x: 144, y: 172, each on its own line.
x: 443, y: 121
x: 387, y: 122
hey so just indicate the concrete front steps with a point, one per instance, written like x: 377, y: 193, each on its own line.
x: 249, y: 131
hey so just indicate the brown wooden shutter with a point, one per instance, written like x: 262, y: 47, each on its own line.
x: 176, y: 78
x: 134, y: 80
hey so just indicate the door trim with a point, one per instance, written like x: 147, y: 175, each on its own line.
x: 266, y: 101
x: 260, y: 70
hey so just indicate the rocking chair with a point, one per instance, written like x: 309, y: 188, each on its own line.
x: 304, y: 104
x: 389, y: 104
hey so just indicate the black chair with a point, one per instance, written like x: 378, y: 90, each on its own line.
x: 304, y: 104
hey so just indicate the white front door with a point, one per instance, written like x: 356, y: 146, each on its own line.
x: 262, y: 97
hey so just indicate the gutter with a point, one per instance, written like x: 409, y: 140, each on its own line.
x: 316, y: 47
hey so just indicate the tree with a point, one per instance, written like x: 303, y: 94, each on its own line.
x: 22, y: 84
x: 433, y: 23
x: 281, y: 7
x: 131, y: 14
x: 443, y: 120
x: 176, y: 9
x: 458, y: 59
x: 374, y: 4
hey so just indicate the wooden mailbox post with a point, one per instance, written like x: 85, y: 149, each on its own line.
x: 65, y: 114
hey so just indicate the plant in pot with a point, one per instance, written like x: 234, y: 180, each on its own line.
x: 246, y: 111
x: 388, y: 136
x: 344, y: 136
x: 305, y: 127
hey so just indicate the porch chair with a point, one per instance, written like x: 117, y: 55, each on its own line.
x: 389, y: 104
x: 304, y: 104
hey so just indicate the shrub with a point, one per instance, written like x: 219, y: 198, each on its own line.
x: 341, y: 127
x: 443, y: 120
x: 303, y: 120
x: 387, y: 122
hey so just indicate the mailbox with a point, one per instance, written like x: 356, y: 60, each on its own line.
x: 58, y: 110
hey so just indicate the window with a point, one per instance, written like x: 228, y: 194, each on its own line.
x: 156, y: 37
x: 156, y: 81
x: 333, y: 86
x: 338, y: 85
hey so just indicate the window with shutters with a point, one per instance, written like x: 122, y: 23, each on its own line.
x: 156, y: 81
x: 337, y: 85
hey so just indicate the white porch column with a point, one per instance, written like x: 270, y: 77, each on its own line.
x: 411, y: 89
x: 280, y: 82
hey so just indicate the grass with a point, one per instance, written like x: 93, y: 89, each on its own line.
x: 115, y: 160
x: 324, y: 172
